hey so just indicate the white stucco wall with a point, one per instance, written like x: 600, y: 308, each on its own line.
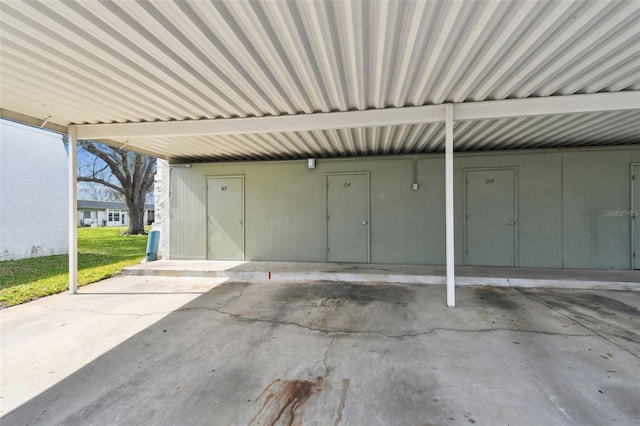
x: 33, y: 192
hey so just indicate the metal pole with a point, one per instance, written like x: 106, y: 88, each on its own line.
x: 73, y: 215
x: 451, y: 291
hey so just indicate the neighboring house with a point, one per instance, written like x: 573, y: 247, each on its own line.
x: 33, y: 192
x: 106, y: 213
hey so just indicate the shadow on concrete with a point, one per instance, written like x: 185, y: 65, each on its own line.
x: 141, y: 380
x: 266, y: 353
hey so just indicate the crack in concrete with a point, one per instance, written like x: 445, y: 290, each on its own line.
x: 575, y: 320
x: 331, y: 332
x: 117, y: 314
x: 390, y: 336
x: 114, y: 314
x: 323, y: 361
x: 238, y: 296
x: 326, y: 355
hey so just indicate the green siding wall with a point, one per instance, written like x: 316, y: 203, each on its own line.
x: 561, y: 196
x: 594, y: 183
x: 428, y: 236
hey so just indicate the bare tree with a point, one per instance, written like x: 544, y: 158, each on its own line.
x: 124, y: 172
x: 98, y: 192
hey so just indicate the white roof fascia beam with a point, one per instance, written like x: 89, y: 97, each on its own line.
x: 33, y: 121
x: 552, y: 105
x: 270, y: 124
x: 509, y: 108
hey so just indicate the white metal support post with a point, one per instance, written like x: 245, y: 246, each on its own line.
x: 73, y: 226
x: 448, y: 159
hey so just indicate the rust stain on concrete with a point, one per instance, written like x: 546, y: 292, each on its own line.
x: 343, y: 400
x: 283, y: 401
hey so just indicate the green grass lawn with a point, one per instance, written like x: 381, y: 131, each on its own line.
x: 102, y: 252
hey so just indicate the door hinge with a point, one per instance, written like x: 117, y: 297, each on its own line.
x: 466, y: 252
x: 634, y: 254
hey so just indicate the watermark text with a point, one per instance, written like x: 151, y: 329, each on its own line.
x: 621, y: 213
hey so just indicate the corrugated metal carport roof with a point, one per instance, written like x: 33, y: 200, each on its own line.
x: 87, y: 62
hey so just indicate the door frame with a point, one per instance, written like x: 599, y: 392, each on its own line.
x: 206, y: 216
x: 633, y: 207
x: 516, y: 243
x: 326, y: 201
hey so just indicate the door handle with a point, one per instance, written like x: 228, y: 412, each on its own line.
x: 511, y: 222
x: 240, y: 223
x: 364, y: 222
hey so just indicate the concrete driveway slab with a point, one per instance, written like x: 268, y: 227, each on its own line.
x: 329, y: 353
x: 44, y: 341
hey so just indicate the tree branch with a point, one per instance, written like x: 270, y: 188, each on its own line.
x: 110, y: 160
x: 102, y: 182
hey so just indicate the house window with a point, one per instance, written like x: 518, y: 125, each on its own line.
x: 86, y: 214
x: 114, y: 216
